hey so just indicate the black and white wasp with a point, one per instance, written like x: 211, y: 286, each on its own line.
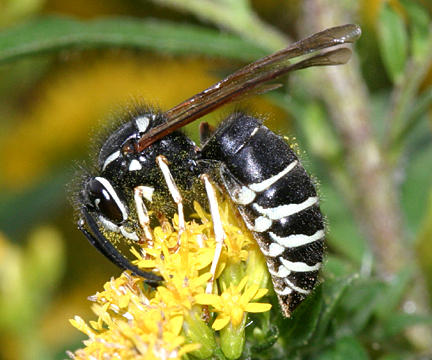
x: 147, y: 164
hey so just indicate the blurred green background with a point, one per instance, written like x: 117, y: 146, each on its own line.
x: 363, y: 130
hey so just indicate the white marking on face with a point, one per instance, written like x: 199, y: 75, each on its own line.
x: 285, y: 291
x: 281, y: 273
x: 142, y: 123
x: 105, y: 194
x: 295, y: 240
x: 282, y: 211
x: 130, y: 235
x: 264, y: 185
x: 254, y: 131
x: 110, y: 159
x: 135, y: 165
x: 244, y: 197
x: 275, y: 250
x: 296, y: 288
x: 299, y: 266
x: 113, y: 195
x: 108, y: 224
x: 262, y: 224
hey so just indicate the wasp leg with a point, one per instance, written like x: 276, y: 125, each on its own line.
x: 141, y: 192
x: 175, y: 193
x: 217, y: 226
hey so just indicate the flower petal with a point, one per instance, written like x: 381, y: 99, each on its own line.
x: 206, y: 299
x: 220, y: 322
x: 249, y: 293
x: 260, y: 294
x: 257, y: 307
x: 242, y: 284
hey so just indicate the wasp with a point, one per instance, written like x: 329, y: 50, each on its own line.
x: 147, y: 164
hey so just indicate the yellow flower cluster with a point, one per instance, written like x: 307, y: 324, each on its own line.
x: 129, y: 326
x: 136, y: 321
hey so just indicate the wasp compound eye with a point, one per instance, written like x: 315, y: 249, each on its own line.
x: 104, y: 198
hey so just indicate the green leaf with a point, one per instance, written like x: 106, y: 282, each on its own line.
x: 392, y: 357
x: 417, y: 184
x: 357, y: 306
x: 336, y: 267
x: 415, y: 116
x: 344, y: 236
x: 332, y: 293
x: 269, y: 340
x: 52, y: 34
x: 299, y: 329
x: 424, y: 245
x: 398, y: 322
x: 419, y: 25
x: 393, y: 42
x: 314, y: 122
x: 345, y: 348
x: 392, y: 294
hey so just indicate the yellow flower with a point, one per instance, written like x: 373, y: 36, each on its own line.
x: 136, y: 321
x: 233, y: 303
x: 237, y: 240
x: 130, y: 326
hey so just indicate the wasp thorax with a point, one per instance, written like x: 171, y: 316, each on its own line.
x: 106, y: 200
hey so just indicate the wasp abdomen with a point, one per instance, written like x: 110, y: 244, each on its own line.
x: 277, y: 200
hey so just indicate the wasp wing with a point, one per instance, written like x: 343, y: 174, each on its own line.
x: 252, y: 78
